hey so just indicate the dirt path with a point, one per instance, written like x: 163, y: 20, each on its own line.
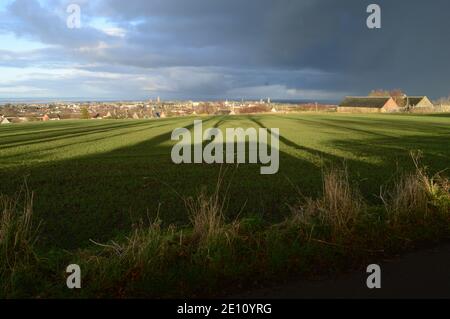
x: 422, y: 274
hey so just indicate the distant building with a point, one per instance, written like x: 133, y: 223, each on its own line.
x: 411, y: 102
x: 4, y: 120
x: 46, y: 118
x: 368, y: 105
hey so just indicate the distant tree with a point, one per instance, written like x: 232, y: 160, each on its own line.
x: 443, y: 101
x: 85, y: 113
x: 381, y: 92
x: 206, y: 108
x: 313, y: 107
x: 397, y: 93
x: 255, y: 109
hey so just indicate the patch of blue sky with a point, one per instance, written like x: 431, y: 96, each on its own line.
x: 11, y: 42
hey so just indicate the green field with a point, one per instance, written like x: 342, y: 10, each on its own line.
x: 94, y: 179
x: 108, y: 197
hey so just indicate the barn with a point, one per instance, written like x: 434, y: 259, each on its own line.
x: 367, y: 104
x: 4, y: 120
x: 412, y: 102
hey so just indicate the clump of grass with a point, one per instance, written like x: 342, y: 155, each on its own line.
x: 116, y: 265
x: 336, y: 212
x: 17, y: 232
x: 142, y: 246
x: 206, y: 214
x: 437, y: 187
x: 416, y: 196
x: 407, y: 200
x: 438, y: 190
x: 18, y: 235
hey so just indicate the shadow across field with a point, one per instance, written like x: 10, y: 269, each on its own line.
x: 42, y: 150
x: 100, y: 196
x: 46, y: 136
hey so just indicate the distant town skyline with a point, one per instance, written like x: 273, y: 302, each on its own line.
x: 309, y: 50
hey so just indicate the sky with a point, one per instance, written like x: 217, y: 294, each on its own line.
x: 222, y: 49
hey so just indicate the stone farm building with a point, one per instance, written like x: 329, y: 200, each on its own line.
x: 4, y: 120
x: 368, y: 105
x: 415, y: 103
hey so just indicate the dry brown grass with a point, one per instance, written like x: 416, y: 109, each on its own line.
x: 416, y: 195
x: 338, y: 209
x: 18, y: 233
x: 138, y: 248
x: 118, y: 263
x: 406, y: 199
x: 206, y: 213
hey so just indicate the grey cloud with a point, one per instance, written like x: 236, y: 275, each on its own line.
x: 219, y: 47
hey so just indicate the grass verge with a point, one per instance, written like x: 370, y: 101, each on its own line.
x: 213, y: 255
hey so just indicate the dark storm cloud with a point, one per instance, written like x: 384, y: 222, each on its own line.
x: 217, y: 47
x: 45, y: 25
